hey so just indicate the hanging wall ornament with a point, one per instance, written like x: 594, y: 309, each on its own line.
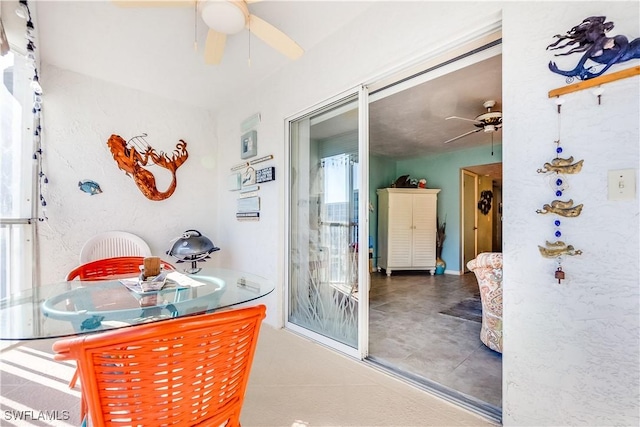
x: 24, y: 11
x: 484, y: 204
x: 600, y: 51
x: 566, y: 209
x: 132, y: 160
x: 557, y: 169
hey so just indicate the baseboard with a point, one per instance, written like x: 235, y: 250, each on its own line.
x: 454, y: 272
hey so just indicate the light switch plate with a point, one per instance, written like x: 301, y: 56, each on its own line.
x: 622, y: 184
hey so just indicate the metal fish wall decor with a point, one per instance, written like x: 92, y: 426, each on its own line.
x: 89, y: 187
x: 563, y: 166
x: 558, y: 248
x: 565, y: 209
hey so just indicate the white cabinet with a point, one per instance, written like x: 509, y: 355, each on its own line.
x: 407, y: 226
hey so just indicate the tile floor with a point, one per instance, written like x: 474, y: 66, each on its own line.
x: 408, y: 332
x: 294, y: 382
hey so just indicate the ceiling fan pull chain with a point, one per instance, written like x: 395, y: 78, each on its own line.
x: 249, y: 27
x: 195, y: 26
x: 492, y: 143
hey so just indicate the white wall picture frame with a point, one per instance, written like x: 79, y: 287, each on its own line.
x: 249, y: 144
x: 235, y: 181
x: 249, y: 178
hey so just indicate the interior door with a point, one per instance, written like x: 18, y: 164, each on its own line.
x: 469, y: 217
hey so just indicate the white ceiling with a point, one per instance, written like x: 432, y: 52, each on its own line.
x: 412, y: 122
x: 152, y: 49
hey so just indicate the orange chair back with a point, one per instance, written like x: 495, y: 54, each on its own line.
x: 111, y: 268
x: 181, y: 372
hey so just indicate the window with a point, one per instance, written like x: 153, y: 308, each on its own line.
x: 16, y: 175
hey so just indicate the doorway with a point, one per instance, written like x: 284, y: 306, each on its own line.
x: 469, y: 217
x: 422, y: 327
x: 481, y: 226
x: 413, y: 315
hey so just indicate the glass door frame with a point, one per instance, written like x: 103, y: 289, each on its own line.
x: 361, y: 94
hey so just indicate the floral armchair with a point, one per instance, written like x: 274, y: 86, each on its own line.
x: 487, y: 267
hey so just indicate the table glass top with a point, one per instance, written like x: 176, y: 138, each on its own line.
x: 80, y: 307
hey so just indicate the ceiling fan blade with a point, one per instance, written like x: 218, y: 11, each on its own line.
x: 214, y: 47
x: 274, y: 37
x: 154, y: 3
x: 462, y: 118
x: 462, y: 136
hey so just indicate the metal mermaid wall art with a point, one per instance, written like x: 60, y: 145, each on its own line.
x: 131, y: 161
x: 590, y: 37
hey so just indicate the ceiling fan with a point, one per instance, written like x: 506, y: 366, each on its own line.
x: 491, y: 121
x: 228, y: 17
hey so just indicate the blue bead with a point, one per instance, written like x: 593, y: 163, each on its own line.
x: 558, y: 182
x: 559, y: 150
x: 558, y: 193
x: 558, y: 233
x: 557, y: 222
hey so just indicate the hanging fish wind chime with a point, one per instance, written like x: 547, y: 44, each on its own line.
x: 132, y: 160
x: 557, y: 169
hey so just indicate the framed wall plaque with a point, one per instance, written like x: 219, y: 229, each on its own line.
x: 265, y: 175
x: 249, y: 144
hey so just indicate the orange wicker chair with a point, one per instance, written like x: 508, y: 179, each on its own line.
x: 111, y: 268
x: 106, y: 269
x: 189, y: 371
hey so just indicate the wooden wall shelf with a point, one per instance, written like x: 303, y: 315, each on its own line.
x: 596, y: 81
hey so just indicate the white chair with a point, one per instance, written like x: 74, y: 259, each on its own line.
x: 113, y: 244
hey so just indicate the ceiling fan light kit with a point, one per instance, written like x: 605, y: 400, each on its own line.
x: 227, y: 17
x: 489, y: 122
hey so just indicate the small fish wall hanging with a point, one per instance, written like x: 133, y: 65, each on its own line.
x: 89, y: 187
x: 562, y: 166
x: 566, y: 209
x: 556, y: 249
x: 132, y: 155
x: 600, y: 51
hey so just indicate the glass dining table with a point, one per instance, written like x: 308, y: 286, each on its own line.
x: 77, y: 307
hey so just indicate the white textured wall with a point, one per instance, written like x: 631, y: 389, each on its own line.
x: 571, y: 350
x: 80, y: 113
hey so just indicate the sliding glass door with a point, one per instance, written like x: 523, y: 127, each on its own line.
x: 324, y: 224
